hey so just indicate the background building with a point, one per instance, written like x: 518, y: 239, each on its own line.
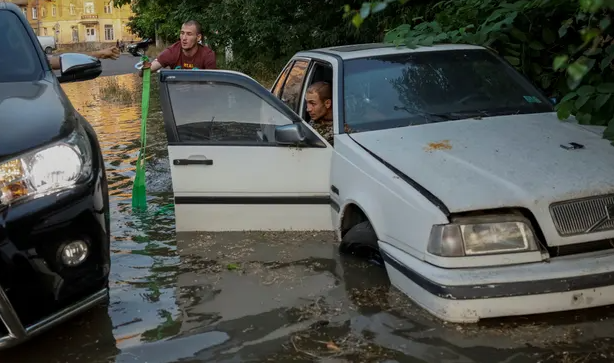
x: 78, y: 21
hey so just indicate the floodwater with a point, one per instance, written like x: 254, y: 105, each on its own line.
x: 263, y: 297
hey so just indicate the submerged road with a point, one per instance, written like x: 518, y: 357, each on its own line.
x: 123, y: 65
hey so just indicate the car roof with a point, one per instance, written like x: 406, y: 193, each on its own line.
x: 376, y: 49
x: 9, y: 6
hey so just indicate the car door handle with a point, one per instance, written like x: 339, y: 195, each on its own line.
x: 181, y: 162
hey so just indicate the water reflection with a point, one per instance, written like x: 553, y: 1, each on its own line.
x: 256, y: 297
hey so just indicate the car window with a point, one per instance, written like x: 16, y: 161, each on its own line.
x: 291, y: 94
x: 222, y: 112
x: 422, y: 87
x: 18, y: 59
x: 320, y: 72
x: 280, y: 82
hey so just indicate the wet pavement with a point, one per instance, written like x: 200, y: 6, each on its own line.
x: 263, y: 297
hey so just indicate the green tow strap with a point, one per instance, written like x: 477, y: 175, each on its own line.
x: 139, y: 192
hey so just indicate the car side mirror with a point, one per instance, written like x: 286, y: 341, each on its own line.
x: 77, y: 67
x: 289, y: 134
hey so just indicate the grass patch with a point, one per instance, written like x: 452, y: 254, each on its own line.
x: 112, y: 91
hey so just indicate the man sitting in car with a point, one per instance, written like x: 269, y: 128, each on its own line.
x: 319, y: 98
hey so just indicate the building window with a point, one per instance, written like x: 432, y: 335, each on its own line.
x: 72, y: 9
x: 108, y: 32
x: 43, y: 12
x: 108, y: 8
x: 25, y: 12
x: 89, y: 8
x: 34, y: 13
x: 54, y: 10
x: 45, y: 31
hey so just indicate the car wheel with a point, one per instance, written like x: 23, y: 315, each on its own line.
x: 48, y: 50
x: 361, y: 241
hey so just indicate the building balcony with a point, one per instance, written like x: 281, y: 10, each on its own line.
x: 89, y: 19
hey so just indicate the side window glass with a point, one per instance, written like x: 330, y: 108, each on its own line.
x: 280, y: 83
x: 291, y: 94
x: 222, y: 112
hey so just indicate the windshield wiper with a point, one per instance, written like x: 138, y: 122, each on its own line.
x: 427, y: 115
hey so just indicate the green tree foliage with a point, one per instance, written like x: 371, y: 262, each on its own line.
x: 263, y: 33
x: 566, y: 47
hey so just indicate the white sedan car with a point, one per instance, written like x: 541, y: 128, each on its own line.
x: 456, y: 171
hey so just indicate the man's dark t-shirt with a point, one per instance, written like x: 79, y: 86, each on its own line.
x: 174, y: 58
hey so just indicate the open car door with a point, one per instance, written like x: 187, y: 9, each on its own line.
x: 228, y: 170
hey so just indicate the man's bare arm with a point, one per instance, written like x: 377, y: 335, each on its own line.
x: 154, y: 66
x: 109, y: 53
x: 54, y: 61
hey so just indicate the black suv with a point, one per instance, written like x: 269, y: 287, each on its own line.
x: 54, y: 203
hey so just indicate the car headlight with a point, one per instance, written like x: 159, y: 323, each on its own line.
x: 482, y: 236
x: 56, y: 167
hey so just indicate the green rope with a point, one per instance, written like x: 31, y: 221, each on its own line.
x: 139, y: 192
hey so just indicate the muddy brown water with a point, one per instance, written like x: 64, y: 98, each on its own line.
x: 263, y: 297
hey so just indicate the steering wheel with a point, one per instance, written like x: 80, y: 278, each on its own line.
x: 476, y: 96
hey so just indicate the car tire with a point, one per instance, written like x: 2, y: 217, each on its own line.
x: 48, y: 50
x: 361, y: 241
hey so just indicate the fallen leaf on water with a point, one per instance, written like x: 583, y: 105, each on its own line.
x: 332, y: 346
x: 127, y: 337
x: 441, y: 145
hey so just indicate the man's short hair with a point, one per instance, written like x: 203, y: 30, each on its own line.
x: 322, y: 89
x: 196, y: 24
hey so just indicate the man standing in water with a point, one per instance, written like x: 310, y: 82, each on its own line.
x: 187, y: 53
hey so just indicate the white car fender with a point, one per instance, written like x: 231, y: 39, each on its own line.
x: 395, y: 209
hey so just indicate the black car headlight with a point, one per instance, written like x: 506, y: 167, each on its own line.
x: 52, y: 169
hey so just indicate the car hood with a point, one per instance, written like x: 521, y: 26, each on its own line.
x: 33, y: 114
x: 496, y: 162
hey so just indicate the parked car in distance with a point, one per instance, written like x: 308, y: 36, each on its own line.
x: 447, y: 163
x: 48, y: 43
x: 138, y: 49
x: 54, y: 204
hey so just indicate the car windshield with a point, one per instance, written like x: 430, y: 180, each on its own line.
x: 434, y: 86
x: 18, y: 59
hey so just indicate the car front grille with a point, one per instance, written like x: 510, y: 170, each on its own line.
x: 578, y: 216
